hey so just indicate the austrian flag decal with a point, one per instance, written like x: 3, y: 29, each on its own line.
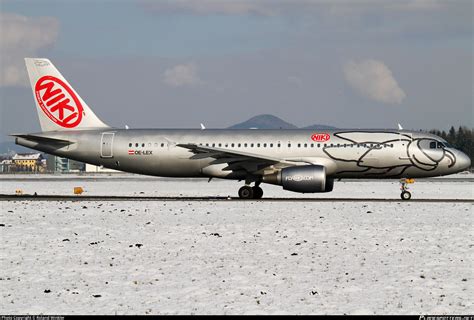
x: 58, y: 101
x: 140, y: 152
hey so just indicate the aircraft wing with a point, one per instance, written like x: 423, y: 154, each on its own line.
x: 236, y: 160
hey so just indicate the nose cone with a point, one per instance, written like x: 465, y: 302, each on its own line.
x: 462, y: 161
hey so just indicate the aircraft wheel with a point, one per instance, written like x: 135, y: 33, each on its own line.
x: 257, y: 192
x: 405, y: 195
x: 246, y: 192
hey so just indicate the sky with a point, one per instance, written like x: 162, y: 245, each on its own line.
x: 176, y: 64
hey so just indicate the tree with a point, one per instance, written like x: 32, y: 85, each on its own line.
x: 451, y: 138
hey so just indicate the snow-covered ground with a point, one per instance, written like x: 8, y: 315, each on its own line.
x: 235, y: 257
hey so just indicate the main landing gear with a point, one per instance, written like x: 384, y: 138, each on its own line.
x: 248, y: 192
x: 405, y: 195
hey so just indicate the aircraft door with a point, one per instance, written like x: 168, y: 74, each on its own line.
x: 106, y: 145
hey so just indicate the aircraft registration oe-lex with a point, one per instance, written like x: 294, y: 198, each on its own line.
x: 298, y: 160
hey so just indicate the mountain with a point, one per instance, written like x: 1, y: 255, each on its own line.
x: 268, y: 121
x: 319, y: 127
x: 12, y: 148
x: 264, y: 121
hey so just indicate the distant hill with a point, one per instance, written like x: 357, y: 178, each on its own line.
x: 318, y: 127
x: 264, y: 121
x: 11, y: 147
x: 268, y: 121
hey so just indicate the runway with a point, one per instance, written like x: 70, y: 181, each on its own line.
x: 30, y: 197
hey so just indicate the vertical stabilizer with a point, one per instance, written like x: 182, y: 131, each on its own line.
x: 58, y: 104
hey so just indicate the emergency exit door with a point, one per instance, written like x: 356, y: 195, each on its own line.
x: 107, y: 144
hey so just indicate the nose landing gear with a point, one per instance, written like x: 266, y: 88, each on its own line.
x: 405, y: 195
x: 248, y: 192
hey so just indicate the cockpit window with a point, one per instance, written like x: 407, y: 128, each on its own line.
x: 439, y: 145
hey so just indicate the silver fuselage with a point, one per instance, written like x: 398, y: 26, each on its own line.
x: 345, y: 153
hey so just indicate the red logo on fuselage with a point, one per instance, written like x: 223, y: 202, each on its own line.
x: 320, y: 137
x: 58, y: 101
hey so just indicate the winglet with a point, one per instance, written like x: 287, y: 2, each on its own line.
x: 170, y: 143
x: 202, y: 127
x: 400, y: 127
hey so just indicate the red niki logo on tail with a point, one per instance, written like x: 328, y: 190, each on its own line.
x: 58, y: 102
x: 320, y: 137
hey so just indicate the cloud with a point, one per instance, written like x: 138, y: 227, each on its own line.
x: 21, y: 37
x: 374, y: 80
x: 182, y: 75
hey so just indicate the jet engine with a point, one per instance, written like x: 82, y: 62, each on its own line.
x: 304, y: 179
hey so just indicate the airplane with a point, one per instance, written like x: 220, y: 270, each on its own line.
x: 299, y: 160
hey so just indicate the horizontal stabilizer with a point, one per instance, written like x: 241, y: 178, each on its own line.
x: 42, y: 139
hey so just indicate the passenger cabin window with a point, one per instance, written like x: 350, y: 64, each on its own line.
x: 129, y: 144
x: 289, y: 145
x: 136, y: 144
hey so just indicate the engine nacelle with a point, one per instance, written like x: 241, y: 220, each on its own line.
x: 305, y: 179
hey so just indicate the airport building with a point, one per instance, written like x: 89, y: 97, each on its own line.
x: 63, y: 165
x: 28, y: 162
x: 6, y: 165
